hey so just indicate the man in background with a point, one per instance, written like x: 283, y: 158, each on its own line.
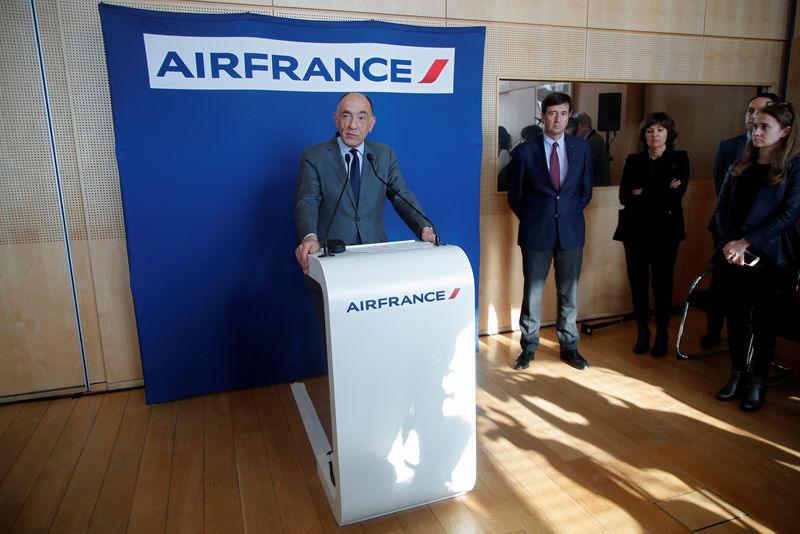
x: 728, y: 152
x: 602, y: 175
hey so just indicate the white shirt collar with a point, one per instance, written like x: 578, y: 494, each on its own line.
x: 549, y: 141
x: 344, y: 149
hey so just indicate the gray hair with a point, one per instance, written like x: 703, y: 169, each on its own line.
x: 582, y: 117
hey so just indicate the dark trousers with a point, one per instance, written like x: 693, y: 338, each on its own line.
x: 716, y: 309
x: 752, y: 302
x: 642, y: 259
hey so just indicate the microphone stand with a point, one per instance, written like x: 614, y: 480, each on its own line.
x: 325, y: 252
x: 437, y: 242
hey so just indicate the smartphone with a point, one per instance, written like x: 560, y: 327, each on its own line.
x: 750, y: 259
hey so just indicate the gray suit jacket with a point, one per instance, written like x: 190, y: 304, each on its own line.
x: 320, y: 179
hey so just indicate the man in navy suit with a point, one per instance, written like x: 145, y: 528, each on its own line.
x: 323, y: 172
x: 728, y: 152
x: 550, y: 183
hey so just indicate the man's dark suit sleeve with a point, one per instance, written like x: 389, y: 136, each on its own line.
x: 587, y: 178
x: 720, y: 168
x: 721, y: 213
x: 308, y: 196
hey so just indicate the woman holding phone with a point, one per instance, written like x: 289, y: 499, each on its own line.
x: 759, y: 247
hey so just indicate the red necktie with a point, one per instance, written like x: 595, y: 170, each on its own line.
x: 555, y: 168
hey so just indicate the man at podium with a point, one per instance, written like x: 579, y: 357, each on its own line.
x: 374, y: 174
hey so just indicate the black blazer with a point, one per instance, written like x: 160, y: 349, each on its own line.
x: 602, y: 174
x: 656, y: 215
x: 771, y: 224
x: 728, y: 152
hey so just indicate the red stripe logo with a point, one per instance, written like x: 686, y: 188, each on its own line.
x: 455, y: 292
x: 434, y: 72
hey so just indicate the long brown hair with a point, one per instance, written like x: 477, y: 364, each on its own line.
x: 789, y: 147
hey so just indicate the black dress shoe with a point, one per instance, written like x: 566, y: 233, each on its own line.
x: 574, y: 359
x: 642, y: 340
x: 735, y: 386
x: 523, y: 360
x: 659, y: 346
x: 709, y: 340
x: 754, y: 396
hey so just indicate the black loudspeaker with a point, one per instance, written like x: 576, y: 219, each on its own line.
x: 609, y: 106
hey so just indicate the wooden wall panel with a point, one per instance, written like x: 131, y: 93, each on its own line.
x: 742, y: 62
x: 675, y: 16
x: 603, y: 288
x: 87, y: 303
x: 756, y: 19
x: 115, y: 311
x: 532, y: 53
x: 418, y: 8
x: 643, y: 57
x: 698, y: 206
x: 342, y: 15
x: 39, y: 346
x: 29, y: 201
x: 565, y: 13
x: 500, y: 288
x: 38, y: 329
x: 793, y: 76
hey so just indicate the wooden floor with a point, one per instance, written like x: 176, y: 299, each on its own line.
x: 635, y: 444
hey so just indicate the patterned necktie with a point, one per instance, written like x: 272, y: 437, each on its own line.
x: 555, y: 168
x: 355, y: 175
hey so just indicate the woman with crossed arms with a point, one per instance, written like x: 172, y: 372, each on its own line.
x: 651, y: 224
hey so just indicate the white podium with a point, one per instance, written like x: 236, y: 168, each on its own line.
x: 400, y: 323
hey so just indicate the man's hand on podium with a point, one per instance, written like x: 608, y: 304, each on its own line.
x: 310, y: 245
x: 428, y: 235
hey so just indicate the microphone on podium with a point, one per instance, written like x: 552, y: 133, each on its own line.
x: 336, y: 244
x: 370, y: 158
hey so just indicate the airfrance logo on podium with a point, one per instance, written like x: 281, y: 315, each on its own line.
x: 400, y: 300
x: 258, y: 64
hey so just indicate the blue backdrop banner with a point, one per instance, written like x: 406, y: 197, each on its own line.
x: 211, y: 113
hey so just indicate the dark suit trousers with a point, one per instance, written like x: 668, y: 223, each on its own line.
x: 642, y: 259
x: 716, y: 310
x: 751, y: 305
x: 535, y: 267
